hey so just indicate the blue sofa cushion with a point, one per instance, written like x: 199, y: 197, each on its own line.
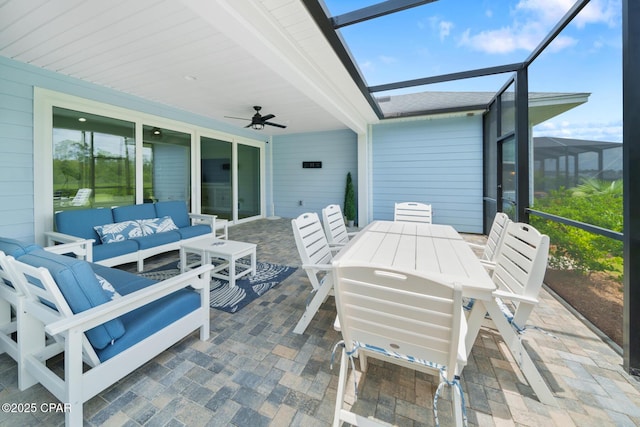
x: 153, y: 240
x: 194, y: 230
x: 80, y: 223
x: 134, y: 212
x: 122, y: 281
x: 118, y: 231
x: 147, y: 320
x: 111, y: 250
x: 176, y: 209
x: 16, y: 248
x: 80, y: 287
x: 157, y: 225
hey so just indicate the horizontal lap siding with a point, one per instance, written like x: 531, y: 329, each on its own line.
x: 317, y: 188
x: 16, y: 161
x: 435, y: 161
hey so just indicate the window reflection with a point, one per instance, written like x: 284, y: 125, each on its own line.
x: 93, y: 160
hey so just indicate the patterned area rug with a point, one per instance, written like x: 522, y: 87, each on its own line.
x: 248, y: 288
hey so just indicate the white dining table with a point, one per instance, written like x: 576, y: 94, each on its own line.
x: 440, y: 249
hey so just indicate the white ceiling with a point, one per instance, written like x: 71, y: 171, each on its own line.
x: 241, y: 53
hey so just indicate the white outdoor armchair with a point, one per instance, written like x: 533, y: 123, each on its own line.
x: 316, y: 258
x: 405, y: 318
x: 413, y: 212
x: 334, y: 227
x: 491, y: 249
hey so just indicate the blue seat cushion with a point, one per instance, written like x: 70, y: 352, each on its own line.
x: 176, y: 209
x: 153, y: 240
x: 194, y: 230
x: 134, y: 212
x: 80, y: 287
x: 147, y: 320
x: 110, y: 250
x: 80, y: 223
x: 16, y: 248
x: 122, y: 281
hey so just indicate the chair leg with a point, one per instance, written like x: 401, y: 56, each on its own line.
x: 457, y: 405
x: 31, y: 339
x: 342, y: 383
x: 320, y: 296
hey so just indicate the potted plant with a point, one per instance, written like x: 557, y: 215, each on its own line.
x: 349, y: 202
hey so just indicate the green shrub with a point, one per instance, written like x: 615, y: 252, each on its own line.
x: 349, y: 200
x: 595, y: 203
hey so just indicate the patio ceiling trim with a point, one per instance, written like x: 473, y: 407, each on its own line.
x: 259, y: 33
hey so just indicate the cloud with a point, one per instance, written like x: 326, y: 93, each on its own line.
x: 438, y: 25
x: 387, y: 59
x: 445, y: 29
x: 593, y: 131
x: 532, y: 20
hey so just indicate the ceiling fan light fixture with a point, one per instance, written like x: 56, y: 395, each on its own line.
x: 156, y: 131
x: 257, y: 126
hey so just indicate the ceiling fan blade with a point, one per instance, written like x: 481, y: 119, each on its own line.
x: 267, y: 117
x: 249, y: 125
x: 275, y: 124
x: 239, y: 118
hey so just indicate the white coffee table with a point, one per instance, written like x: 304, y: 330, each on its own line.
x: 223, y: 254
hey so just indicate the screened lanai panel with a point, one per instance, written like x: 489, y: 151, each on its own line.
x: 434, y: 161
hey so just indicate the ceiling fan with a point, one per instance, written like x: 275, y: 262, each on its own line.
x: 258, y: 121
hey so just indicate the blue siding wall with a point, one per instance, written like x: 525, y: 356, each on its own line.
x: 436, y: 161
x: 17, y: 81
x: 317, y: 188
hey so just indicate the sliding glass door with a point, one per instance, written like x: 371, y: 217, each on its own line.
x: 216, y: 161
x: 248, y: 181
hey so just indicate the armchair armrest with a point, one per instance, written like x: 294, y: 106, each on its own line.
x: 60, y: 243
x: 197, y: 278
x: 54, y: 237
x: 206, y: 219
x: 476, y: 245
x: 514, y: 297
x: 323, y: 267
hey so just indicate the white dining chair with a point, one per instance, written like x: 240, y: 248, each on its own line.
x: 334, y: 226
x: 413, y: 212
x: 316, y: 257
x: 405, y: 318
x: 495, y: 238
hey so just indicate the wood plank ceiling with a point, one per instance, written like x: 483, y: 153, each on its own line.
x: 214, y: 58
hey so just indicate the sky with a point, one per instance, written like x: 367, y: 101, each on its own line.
x: 457, y: 35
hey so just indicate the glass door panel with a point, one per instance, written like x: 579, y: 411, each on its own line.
x: 248, y: 181
x: 508, y: 176
x: 216, y: 162
x: 166, y: 165
x: 93, y: 160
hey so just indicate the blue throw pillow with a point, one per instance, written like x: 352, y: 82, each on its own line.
x: 108, y: 288
x: 157, y: 225
x: 118, y: 231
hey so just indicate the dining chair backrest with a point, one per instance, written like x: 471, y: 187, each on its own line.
x: 334, y: 227
x: 311, y: 241
x: 520, y: 266
x: 413, y: 212
x: 496, y: 236
x: 316, y: 258
x: 401, y: 312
